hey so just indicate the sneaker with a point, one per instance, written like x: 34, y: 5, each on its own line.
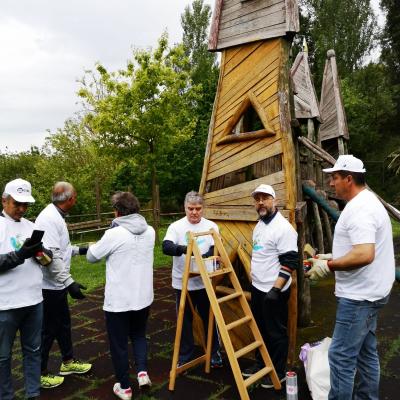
x: 216, y: 360
x: 250, y: 371
x: 266, y: 382
x: 74, y: 367
x: 50, y: 381
x: 143, y: 380
x: 124, y: 394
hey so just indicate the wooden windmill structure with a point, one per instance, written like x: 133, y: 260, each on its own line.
x: 250, y: 137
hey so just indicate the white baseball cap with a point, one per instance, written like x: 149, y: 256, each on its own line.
x: 347, y: 162
x: 20, y: 190
x: 267, y: 189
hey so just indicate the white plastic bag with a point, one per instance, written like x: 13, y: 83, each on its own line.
x: 316, y: 365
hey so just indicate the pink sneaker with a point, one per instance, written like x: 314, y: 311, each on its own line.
x: 124, y: 394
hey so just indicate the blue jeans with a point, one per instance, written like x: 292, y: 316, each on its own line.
x: 354, y: 350
x: 28, y: 320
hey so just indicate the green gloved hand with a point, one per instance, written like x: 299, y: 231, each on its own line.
x: 318, y: 270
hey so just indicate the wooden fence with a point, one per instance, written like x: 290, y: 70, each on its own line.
x: 103, y: 221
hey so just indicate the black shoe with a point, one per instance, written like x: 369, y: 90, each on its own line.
x: 250, y: 371
x: 216, y: 360
x: 266, y: 382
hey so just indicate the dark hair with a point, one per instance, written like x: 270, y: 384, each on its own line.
x: 125, y: 203
x: 358, y: 177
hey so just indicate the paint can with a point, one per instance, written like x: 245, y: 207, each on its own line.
x: 291, y: 385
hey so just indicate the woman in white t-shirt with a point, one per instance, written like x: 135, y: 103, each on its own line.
x: 129, y: 250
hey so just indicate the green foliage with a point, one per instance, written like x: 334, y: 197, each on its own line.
x: 142, y: 113
x: 347, y: 26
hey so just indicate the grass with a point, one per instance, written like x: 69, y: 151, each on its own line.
x: 93, y: 275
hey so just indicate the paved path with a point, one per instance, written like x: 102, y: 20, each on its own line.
x: 91, y: 344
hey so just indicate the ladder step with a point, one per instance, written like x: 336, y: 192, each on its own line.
x: 255, y: 377
x: 238, y: 322
x: 229, y: 297
x: 250, y: 347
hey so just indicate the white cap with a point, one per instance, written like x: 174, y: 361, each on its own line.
x: 267, y: 189
x: 20, y: 190
x: 347, y: 162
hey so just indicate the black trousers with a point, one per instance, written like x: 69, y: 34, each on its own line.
x: 56, y: 325
x: 202, y: 305
x: 271, y: 318
x: 122, y: 326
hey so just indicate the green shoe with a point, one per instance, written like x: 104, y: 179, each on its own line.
x: 74, y: 367
x: 50, y: 381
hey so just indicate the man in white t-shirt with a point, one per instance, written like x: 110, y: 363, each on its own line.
x: 273, y: 260
x: 129, y: 250
x: 20, y: 290
x: 57, y: 282
x: 175, y: 244
x: 363, y: 261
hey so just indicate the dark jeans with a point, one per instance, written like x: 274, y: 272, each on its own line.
x: 122, y: 326
x: 271, y: 318
x: 56, y: 325
x: 28, y: 321
x: 202, y: 305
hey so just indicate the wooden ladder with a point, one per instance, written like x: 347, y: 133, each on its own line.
x: 215, y: 311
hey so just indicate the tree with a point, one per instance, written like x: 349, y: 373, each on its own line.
x: 71, y: 155
x: 203, y: 69
x: 145, y: 110
x: 347, y: 26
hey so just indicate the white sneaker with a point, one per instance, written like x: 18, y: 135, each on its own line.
x: 143, y: 379
x: 124, y: 394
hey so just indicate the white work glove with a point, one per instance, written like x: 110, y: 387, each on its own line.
x: 319, y: 269
x: 327, y: 256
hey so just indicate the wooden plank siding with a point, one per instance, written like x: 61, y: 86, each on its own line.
x: 236, y: 22
x: 259, y: 70
x: 305, y: 98
x: 332, y: 110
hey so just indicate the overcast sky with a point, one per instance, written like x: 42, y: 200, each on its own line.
x: 46, y: 45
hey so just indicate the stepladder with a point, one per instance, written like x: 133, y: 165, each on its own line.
x: 211, y: 270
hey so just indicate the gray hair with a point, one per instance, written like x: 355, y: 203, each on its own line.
x: 194, y: 198
x: 62, y: 191
x: 5, y: 196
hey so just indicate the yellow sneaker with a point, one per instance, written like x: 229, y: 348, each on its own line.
x: 50, y: 381
x: 74, y: 367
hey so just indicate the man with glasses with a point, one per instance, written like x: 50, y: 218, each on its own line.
x: 20, y: 290
x: 273, y: 259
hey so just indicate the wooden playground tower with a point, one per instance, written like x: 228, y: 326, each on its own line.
x: 250, y: 137
x: 268, y: 126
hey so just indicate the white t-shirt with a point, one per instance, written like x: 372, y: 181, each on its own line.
x: 55, y: 236
x: 270, y: 241
x: 20, y: 286
x: 129, y: 268
x: 364, y: 220
x: 178, y: 233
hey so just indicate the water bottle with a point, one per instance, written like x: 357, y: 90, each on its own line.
x: 291, y: 385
